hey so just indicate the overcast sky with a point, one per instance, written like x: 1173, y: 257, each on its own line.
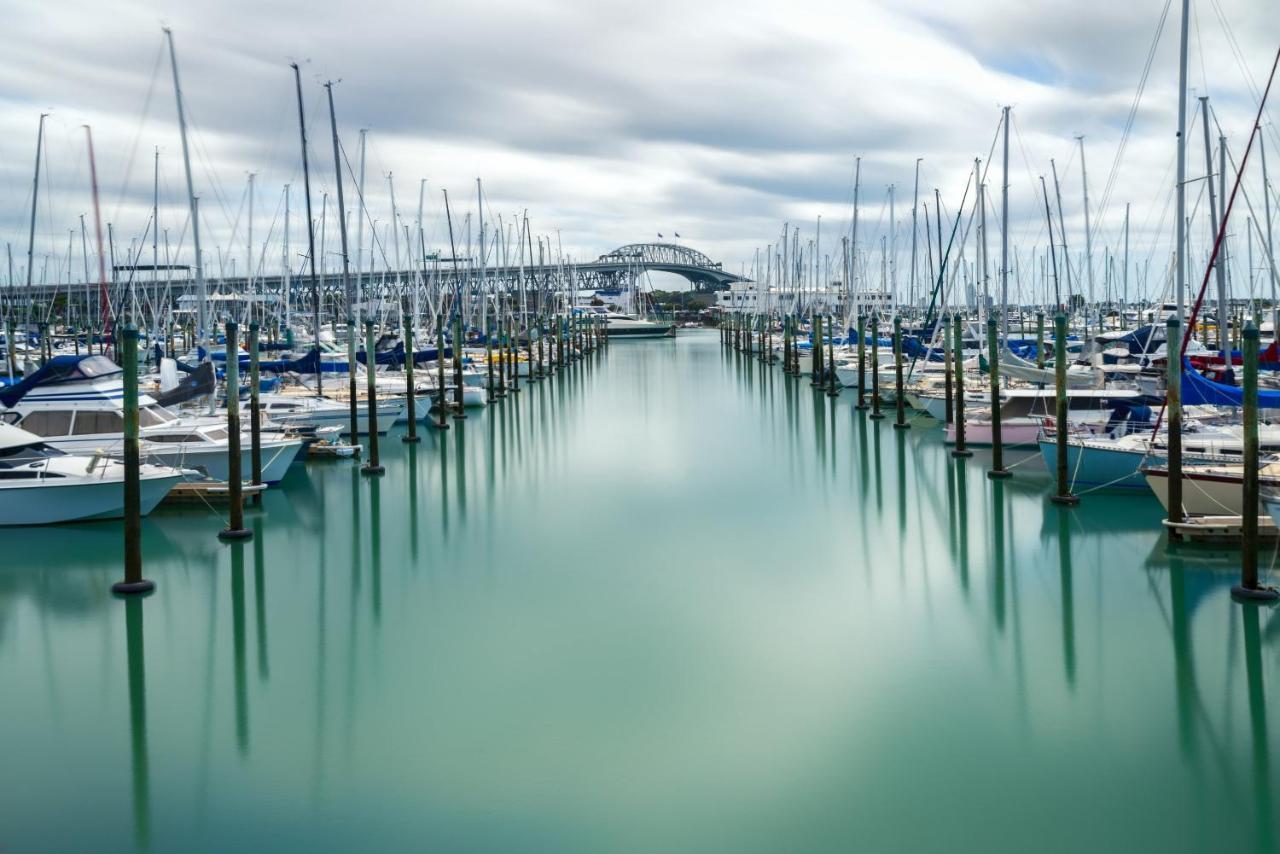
x: 613, y: 122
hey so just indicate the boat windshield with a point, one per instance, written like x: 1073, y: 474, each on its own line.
x: 150, y: 416
x: 21, y: 455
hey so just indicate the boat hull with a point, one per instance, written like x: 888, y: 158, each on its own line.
x: 51, y: 503
x: 1203, y: 493
x: 1106, y: 469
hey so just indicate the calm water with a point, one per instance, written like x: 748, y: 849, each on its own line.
x: 672, y: 602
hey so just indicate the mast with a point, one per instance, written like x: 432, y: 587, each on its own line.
x: 347, y: 290
x: 1053, y: 252
x: 1213, y: 216
x: 1062, y: 228
x: 360, y: 214
x: 248, y: 258
x: 1271, y: 258
x: 202, y: 296
x: 1004, y: 232
x: 155, y: 231
x: 853, y: 238
x: 1180, y: 181
x: 1124, y: 296
x: 103, y: 303
x: 982, y: 247
x: 31, y: 235
x: 287, y: 281
x: 915, y: 203
x: 311, y: 234
x: 484, y: 300
x: 893, y: 253
x: 1088, y: 234
x: 1224, y: 265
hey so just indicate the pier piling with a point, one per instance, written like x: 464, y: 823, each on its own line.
x: 1173, y: 417
x: 1248, y: 588
x: 900, y: 403
x: 875, y: 368
x: 255, y: 414
x: 998, y: 471
x: 235, y: 529
x: 133, y: 582
x: 373, y: 467
x: 951, y: 345
x: 1063, y: 495
x: 410, y: 437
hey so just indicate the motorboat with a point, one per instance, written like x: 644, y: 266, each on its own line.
x: 41, y: 485
x: 76, y: 404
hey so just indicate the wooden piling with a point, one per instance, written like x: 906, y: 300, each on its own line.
x: 900, y: 423
x: 235, y: 529
x: 133, y: 582
x: 953, y: 339
x: 411, y: 393
x: 815, y: 364
x: 442, y: 402
x: 255, y: 414
x: 374, y: 466
x: 1173, y: 417
x: 862, y: 363
x: 875, y: 368
x: 1063, y: 495
x: 998, y: 471
x: 459, y: 343
x: 1248, y: 587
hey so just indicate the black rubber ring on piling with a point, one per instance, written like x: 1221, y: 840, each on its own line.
x: 901, y: 425
x: 133, y: 588
x: 1067, y: 500
x: 1001, y: 474
x: 961, y: 454
x: 877, y: 416
x: 374, y: 470
x: 231, y: 534
x: 410, y: 439
x: 1254, y: 594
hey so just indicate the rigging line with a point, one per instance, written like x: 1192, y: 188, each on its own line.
x: 142, y: 122
x: 1129, y: 121
x: 377, y: 243
x: 1222, y: 227
x: 1230, y: 35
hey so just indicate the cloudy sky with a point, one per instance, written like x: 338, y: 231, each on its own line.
x: 613, y: 122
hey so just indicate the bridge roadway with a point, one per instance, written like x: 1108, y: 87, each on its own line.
x: 615, y: 269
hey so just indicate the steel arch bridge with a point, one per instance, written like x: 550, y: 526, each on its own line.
x: 612, y: 270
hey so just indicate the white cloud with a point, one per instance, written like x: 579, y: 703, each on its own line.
x: 611, y: 122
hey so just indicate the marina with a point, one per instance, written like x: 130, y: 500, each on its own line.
x: 360, y: 502
x: 833, y: 614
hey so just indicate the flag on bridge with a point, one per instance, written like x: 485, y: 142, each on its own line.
x: 676, y: 233
x: 659, y: 234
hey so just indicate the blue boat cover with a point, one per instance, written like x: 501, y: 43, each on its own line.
x: 61, y: 369
x: 1197, y: 389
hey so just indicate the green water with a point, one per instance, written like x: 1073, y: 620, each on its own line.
x: 670, y: 602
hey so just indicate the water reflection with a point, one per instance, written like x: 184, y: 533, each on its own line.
x: 1263, y: 806
x: 260, y: 596
x: 961, y: 503
x: 1041, y: 660
x: 238, y: 657
x: 375, y: 542
x: 998, y: 552
x: 140, y: 762
x: 1065, y: 577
